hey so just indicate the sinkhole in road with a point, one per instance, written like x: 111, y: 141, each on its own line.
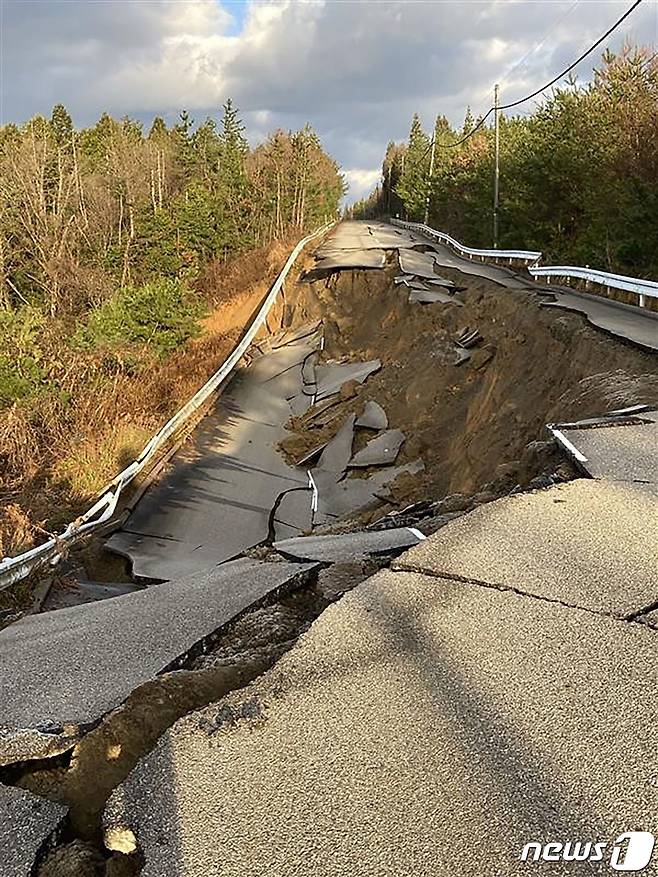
x: 476, y: 421
x: 479, y: 426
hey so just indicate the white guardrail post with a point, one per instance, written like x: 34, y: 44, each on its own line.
x: 642, y: 288
x: 14, y: 569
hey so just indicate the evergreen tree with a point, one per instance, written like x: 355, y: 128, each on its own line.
x: 97, y: 142
x: 412, y: 186
x: 181, y: 136
x: 158, y: 131
x: 233, y: 144
x: 207, y: 149
x: 132, y: 129
x: 62, y: 126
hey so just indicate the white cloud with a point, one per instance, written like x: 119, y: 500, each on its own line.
x: 356, y: 71
x: 361, y: 181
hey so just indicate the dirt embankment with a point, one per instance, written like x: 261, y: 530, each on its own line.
x: 471, y: 424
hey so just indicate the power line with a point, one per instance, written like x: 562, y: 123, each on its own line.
x: 538, y: 45
x: 582, y: 57
x: 555, y: 79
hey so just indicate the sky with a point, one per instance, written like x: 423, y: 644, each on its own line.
x: 357, y: 70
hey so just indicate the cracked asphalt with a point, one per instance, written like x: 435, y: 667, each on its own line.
x: 586, y: 543
x: 424, y: 725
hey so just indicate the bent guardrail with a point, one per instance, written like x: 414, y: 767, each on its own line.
x: 527, y: 256
x: 641, y: 288
x: 14, y: 569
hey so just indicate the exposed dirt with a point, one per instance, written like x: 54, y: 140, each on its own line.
x: 469, y: 423
x: 105, y: 756
x: 479, y: 428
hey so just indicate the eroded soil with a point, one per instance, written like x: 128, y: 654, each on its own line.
x: 479, y: 428
x: 471, y: 423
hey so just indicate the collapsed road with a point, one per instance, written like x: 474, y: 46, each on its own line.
x: 383, y: 449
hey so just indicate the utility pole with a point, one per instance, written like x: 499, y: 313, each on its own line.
x: 496, y: 168
x: 390, y: 173
x: 429, y: 181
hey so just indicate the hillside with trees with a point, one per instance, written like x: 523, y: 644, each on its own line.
x: 114, y: 245
x: 578, y: 175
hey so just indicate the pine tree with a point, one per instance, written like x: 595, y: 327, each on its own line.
x: 97, y: 142
x: 412, y: 187
x: 158, y: 130
x: 181, y: 135
x: 233, y: 143
x: 207, y: 148
x: 132, y: 129
x: 62, y: 126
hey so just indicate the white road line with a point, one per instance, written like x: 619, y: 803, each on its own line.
x: 567, y: 444
x: 314, y: 488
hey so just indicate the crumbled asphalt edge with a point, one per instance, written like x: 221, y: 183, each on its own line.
x: 420, y: 514
x: 65, y: 737
x: 54, y: 839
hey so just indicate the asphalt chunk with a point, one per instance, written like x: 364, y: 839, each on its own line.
x: 404, y: 727
x: 62, y: 671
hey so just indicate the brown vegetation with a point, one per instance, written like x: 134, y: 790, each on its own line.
x: 57, y: 455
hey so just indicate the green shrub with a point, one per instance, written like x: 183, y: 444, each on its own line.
x: 21, y: 375
x: 162, y: 314
x: 18, y: 379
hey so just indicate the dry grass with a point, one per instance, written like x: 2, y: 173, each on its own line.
x: 59, y: 450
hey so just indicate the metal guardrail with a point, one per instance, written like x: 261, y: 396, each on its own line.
x: 511, y: 255
x: 641, y: 288
x: 14, y: 569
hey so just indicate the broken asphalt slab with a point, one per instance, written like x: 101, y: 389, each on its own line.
x: 348, y: 547
x: 639, y: 325
x: 590, y: 544
x: 28, y: 826
x: 61, y: 672
x: 432, y: 296
x: 422, y: 726
x: 348, y: 259
x: 616, y: 452
x: 417, y: 264
x: 337, y: 453
x: 335, y: 500
x: 373, y: 416
x: 446, y: 258
x: 380, y: 451
x: 331, y: 376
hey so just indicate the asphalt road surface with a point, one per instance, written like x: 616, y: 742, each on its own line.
x: 424, y: 725
x: 61, y: 672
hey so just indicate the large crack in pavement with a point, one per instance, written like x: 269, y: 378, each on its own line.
x: 469, y: 440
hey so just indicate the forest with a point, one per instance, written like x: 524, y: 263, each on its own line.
x: 578, y: 174
x: 115, y: 247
